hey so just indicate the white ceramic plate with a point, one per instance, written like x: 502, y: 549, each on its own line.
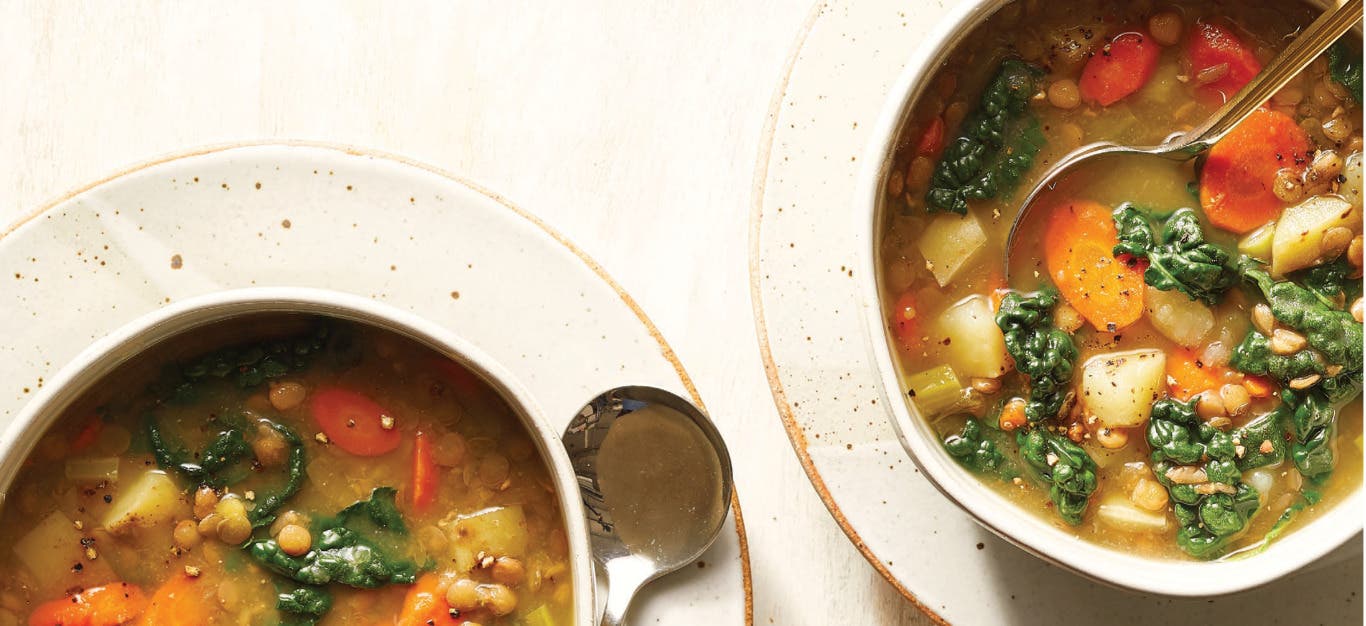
x: 828, y: 391
x: 372, y: 225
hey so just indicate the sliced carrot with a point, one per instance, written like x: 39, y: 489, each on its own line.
x: 1078, y: 249
x: 1215, y: 51
x: 932, y: 141
x: 109, y: 605
x: 425, y: 605
x: 181, y: 601
x: 1236, y: 183
x: 353, y: 421
x: 1187, y: 376
x: 1120, y: 68
x: 424, y: 473
x: 90, y: 433
x: 465, y: 382
x: 1258, y: 386
x: 906, y: 321
x: 1013, y: 415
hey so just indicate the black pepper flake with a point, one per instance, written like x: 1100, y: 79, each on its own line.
x: 108, y: 498
x: 77, y: 567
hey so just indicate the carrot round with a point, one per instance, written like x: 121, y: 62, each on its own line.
x: 354, y: 422
x: 89, y: 434
x: 1214, y: 50
x: 424, y: 473
x: 1120, y: 68
x: 1236, y: 183
x: 109, y: 605
x: 180, y: 601
x: 425, y: 604
x: 906, y: 321
x: 1187, y: 376
x: 1078, y: 250
x: 1258, y: 386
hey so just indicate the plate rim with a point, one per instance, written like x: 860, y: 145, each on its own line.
x: 665, y: 349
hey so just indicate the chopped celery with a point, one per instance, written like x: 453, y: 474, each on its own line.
x: 93, y: 469
x: 935, y: 390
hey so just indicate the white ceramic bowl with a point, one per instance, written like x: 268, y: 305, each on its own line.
x: 1303, y: 545
x: 106, y: 355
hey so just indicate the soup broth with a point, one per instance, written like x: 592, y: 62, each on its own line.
x: 335, y: 474
x: 1142, y: 380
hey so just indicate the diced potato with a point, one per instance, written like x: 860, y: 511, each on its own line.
x: 93, y: 469
x: 150, y: 500
x: 1257, y: 244
x: 1262, y: 479
x: 1299, y: 233
x: 498, y: 531
x: 949, y: 242
x: 1119, y: 388
x: 1351, y: 188
x: 1116, y: 511
x: 51, y: 550
x: 1177, y: 317
x: 975, y: 346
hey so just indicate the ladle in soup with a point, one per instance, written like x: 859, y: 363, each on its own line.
x: 1185, y: 146
x: 656, y: 483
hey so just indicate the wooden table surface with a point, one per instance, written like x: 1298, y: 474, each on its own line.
x: 632, y: 128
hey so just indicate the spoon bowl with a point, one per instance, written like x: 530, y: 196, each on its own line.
x: 656, y: 482
x: 1313, y: 41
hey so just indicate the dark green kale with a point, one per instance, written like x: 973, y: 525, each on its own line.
x: 1313, y: 420
x: 995, y: 146
x: 1263, y: 441
x: 1042, y: 353
x: 226, y: 460
x: 1182, y: 259
x: 1331, y: 283
x: 1344, y: 66
x: 1198, y: 464
x: 1064, y: 466
x: 1333, y: 333
x: 343, y: 554
x: 246, y: 365
x: 1254, y: 356
x: 303, y: 606
x: 976, y: 449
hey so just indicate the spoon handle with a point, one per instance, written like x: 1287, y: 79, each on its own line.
x: 625, y: 576
x: 1307, y: 46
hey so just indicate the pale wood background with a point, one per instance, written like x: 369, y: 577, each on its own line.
x: 632, y: 128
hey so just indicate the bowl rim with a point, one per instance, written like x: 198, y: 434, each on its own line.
x: 1110, y: 566
x: 108, y: 353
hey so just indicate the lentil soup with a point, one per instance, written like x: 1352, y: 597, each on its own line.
x: 334, y: 473
x: 1175, y: 368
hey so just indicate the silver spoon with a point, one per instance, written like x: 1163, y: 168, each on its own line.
x: 1185, y: 146
x: 656, y: 483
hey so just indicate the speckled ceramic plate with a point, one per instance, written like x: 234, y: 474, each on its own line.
x: 368, y: 224
x: 827, y: 389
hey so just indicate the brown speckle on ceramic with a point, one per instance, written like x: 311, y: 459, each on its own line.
x: 455, y: 295
x: 176, y: 262
x: 285, y: 223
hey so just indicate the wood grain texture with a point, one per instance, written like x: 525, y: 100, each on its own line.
x: 632, y: 129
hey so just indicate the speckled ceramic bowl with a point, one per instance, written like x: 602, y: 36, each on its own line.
x: 106, y: 355
x: 1305, y: 544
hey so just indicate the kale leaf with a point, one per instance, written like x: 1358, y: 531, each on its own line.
x: 977, y: 450
x: 1313, y: 420
x: 342, y: 554
x: 1265, y: 431
x: 1331, y: 332
x: 1042, y: 353
x: 996, y: 145
x: 222, y: 462
x: 1215, y: 510
x: 1331, y: 282
x: 1064, y: 466
x: 1254, y: 356
x: 303, y: 605
x: 247, y: 365
x: 1181, y: 259
x: 1344, y: 67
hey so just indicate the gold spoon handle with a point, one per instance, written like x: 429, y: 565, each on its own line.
x: 1302, y: 51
